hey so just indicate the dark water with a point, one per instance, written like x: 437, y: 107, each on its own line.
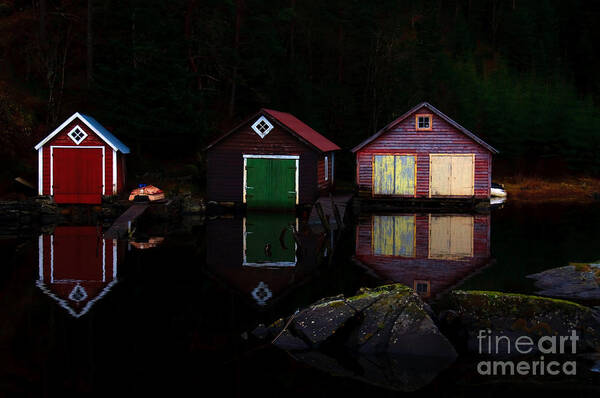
x: 84, y: 315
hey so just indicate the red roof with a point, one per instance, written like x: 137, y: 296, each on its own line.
x: 303, y: 130
x: 295, y: 126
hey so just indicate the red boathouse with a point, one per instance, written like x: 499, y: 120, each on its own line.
x: 272, y: 160
x: 80, y: 161
x: 424, y: 154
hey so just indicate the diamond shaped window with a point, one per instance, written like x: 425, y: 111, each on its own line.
x: 77, y: 135
x: 262, y: 127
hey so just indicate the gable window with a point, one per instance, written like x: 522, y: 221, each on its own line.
x: 262, y: 126
x: 423, y: 122
x: 326, y: 168
x: 77, y: 135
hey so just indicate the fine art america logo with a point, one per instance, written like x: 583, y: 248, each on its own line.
x: 523, y: 345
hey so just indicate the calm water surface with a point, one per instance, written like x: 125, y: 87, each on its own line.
x: 84, y: 315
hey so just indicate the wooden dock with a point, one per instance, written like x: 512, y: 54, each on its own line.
x: 327, y: 204
x: 120, y: 228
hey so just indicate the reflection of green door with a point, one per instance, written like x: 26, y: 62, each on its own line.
x: 394, y: 175
x: 268, y: 239
x: 270, y: 183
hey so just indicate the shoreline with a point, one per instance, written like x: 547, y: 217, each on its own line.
x: 569, y: 189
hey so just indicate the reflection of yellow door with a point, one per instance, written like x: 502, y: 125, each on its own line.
x: 451, y: 175
x: 450, y: 236
x: 393, y: 236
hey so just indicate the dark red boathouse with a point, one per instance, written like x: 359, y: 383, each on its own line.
x: 80, y: 161
x: 271, y: 160
x: 424, y: 154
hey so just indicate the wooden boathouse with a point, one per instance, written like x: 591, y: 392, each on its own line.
x: 429, y: 252
x: 80, y: 161
x: 272, y: 160
x: 424, y: 154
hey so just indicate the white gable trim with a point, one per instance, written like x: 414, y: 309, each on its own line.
x: 40, y: 282
x: 66, y: 123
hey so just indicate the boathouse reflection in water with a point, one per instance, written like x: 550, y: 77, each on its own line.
x: 257, y: 254
x: 77, y: 267
x: 428, y: 252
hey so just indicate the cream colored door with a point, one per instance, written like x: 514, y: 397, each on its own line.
x: 451, y: 175
x: 450, y: 237
x: 462, y: 175
x: 440, y: 170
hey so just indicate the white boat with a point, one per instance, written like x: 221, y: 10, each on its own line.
x: 497, y: 191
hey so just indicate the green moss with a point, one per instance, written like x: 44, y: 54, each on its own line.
x: 497, y: 296
x: 333, y: 304
x: 581, y: 267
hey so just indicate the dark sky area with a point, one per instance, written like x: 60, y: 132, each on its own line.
x: 166, y: 76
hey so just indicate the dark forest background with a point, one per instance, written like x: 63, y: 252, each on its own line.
x: 167, y: 76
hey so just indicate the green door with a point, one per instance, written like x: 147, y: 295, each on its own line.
x: 270, y: 183
x: 268, y: 239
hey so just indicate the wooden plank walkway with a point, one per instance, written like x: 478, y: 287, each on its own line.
x: 120, y: 227
x: 341, y: 202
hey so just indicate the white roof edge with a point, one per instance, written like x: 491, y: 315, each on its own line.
x: 65, y: 123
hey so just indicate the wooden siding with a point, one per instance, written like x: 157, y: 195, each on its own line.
x: 324, y: 185
x: 225, y: 162
x: 443, y: 138
x: 91, y: 140
x: 417, y: 263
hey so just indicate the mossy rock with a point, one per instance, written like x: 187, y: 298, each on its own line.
x: 388, y: 319
x: 515, y: 315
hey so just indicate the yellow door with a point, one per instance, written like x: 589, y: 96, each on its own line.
x: 450, y: 236
x: 394, y: 175
x: 451, y: 175
x: 383, y: 175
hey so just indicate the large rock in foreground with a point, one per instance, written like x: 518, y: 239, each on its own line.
x: 469, y: 314
x: 574, y: 282
x: 383, y: 336
x: 389, y: 319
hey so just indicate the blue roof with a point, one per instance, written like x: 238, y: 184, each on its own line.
x: 106, y: 134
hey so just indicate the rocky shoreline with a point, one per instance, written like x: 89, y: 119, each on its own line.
x: 577, y: 281
x: 389, y: 337
x: 29, y: 216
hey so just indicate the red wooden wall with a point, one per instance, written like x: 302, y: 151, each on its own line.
x: 225, y: 162
x: 442, y: 138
